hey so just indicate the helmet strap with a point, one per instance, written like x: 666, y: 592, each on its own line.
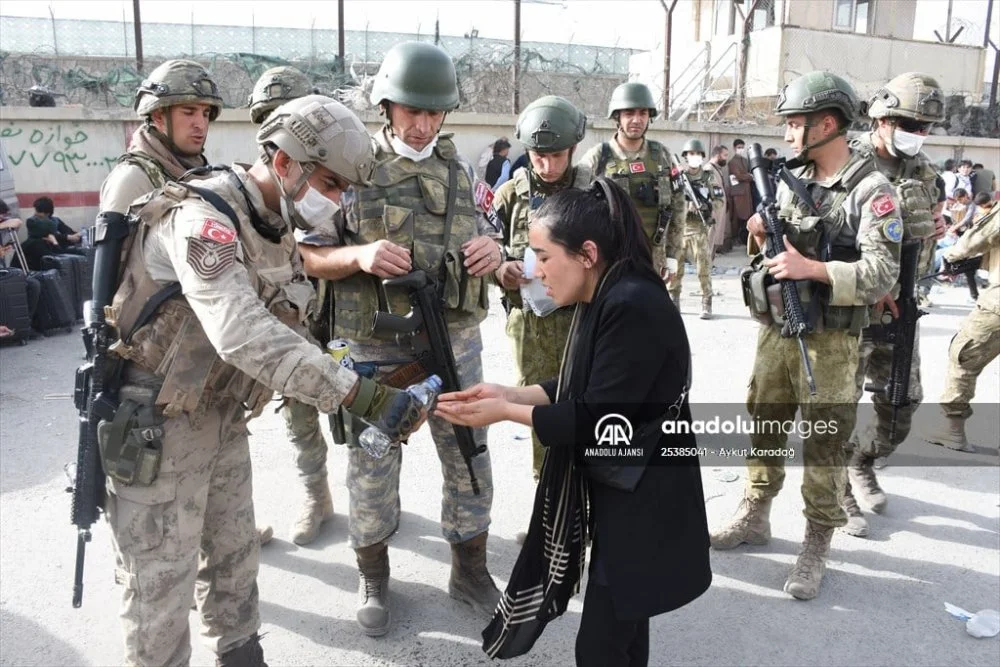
x: 168, y: 137
x: 803, y: 157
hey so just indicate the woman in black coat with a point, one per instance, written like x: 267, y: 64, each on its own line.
x: 628, y: 355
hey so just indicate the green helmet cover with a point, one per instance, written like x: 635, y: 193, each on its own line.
x: 816, y: 91
x: 632, y: 95
x: 550, y: 124
x: 418, y: 75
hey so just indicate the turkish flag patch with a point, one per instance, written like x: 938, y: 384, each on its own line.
x: 208, y: 258
x: 484, y: 196
x: 637, y: 167
x: 215, y: 231
x: 883, y: 205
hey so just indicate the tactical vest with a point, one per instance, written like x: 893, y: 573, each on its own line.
x: 915, y: 186
x: 521, y: 209
x: 648, y: 185
x: 830, y: 236
x: 173, y: 345
x: 154, y: 172
x: 408, y: 204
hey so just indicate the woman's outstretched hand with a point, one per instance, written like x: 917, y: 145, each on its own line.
x: 474, y: 412
x: 474, y: 393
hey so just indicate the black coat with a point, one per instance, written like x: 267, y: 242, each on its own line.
x: 631, y: 356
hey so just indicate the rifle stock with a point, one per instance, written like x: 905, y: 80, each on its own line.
x: 427, y: 331
x: 701, y: 206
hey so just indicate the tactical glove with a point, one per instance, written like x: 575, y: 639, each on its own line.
x: 395, y: 412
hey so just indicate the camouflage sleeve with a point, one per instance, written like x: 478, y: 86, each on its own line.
x: 590, y: 160
x: 668, y: 198
x: 204, y: 251
x: 503, y: 206
x: 984, y: 236
x: 124, y: 185
x: 873, y: 205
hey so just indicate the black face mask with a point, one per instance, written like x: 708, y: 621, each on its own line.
x: 722, y: 163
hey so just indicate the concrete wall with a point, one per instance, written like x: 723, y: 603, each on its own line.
x: 893, y: 18
x: 66, y: 153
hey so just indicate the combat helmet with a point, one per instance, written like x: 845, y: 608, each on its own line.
x: 693, y: 146
x: 632, y: 95
x: 909, y: 95
x: 275, y: 87
x: 316, y: 129
x: 177, y: 82
x: 816, y: 91
x: 550, y: 124
x: 419, y: 75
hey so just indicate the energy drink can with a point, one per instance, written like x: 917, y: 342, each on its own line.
x: 341, y: 352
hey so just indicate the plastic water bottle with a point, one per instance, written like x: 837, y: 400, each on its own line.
x: 375, y: 442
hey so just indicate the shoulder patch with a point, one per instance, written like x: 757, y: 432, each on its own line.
x: 883, y: 205
x: 893, y: 230
x: 483, y: 195
x: 215, y: 231
x: 208, y: 258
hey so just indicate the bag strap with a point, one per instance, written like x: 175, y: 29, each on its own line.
x: 602, y: 162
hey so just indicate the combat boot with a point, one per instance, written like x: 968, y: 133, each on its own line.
x: 861, y: 474
x: 470, y: 581
x: 318, y: 508
x: 750, y: 525
x: 951, y: 434
x: 706, y: 308
x: 249, y: 654
x: 857, y: 525
x: 373, y: 589
x: 803, y: 583
x: 264, y: 534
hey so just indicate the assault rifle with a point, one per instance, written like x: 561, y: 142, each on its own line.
x: 94, y: 397
x: 901, y: 333
x: 963, y: 267
x: 795, y: 321
x: 426, y: 331
x: 701, y: 205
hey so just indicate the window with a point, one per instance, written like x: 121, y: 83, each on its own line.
x: 852, y: 15
x: 763, y: 15
x: 725, y: 18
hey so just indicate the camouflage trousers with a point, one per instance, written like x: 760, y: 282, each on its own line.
x: 538, y: 349
x: 976, y: 344
x: 875, y: 363
x: 695, y: 248
x: 778, y: 390
x: 302, y: 427
x: 373, y: 484
x: 190, y: 533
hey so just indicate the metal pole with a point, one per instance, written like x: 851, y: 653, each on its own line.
x: 340, y: 35
x: 989, y: 20
x: 668, y: 30
x: 741, y: 91
x: 947, y: 27
x: 55, y: 42
x: 137, y: 27
x: 517, y: 56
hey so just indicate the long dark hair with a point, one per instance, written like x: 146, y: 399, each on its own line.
x: 604, y: 214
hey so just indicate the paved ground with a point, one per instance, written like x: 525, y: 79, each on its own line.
x: 882, y: 601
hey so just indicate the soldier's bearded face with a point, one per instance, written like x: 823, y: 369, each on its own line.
x: 415, y: 127
x: 633, y: 122
x: 550, y: 167
x: 188, y: 126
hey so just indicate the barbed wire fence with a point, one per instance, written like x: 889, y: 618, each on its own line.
x: 92, y: 63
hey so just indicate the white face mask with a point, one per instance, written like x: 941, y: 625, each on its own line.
x: 695, y: 161
x: 405, y: 150
x: 907, y: 143
x: 311, y: 211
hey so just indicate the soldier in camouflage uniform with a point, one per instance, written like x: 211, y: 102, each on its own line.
x: 224, y: 268
x: 275, y: 87
x: 859, y: 217
x: 903, y: 113
x: 977, y: 342
x: 419, y: 213
x: 642, y: 167
x: 695, y: 244
x: 176, y: 102
x: 550, y: 128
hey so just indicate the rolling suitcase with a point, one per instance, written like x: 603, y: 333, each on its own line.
x: 55, y: 305
x: 14, y: 306
x: 74, y: 271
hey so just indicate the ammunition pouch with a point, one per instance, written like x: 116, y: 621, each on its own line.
x: 131, y: 443
x: 463, y: 292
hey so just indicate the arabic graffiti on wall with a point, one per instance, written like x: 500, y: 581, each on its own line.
x: 61, y: 146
